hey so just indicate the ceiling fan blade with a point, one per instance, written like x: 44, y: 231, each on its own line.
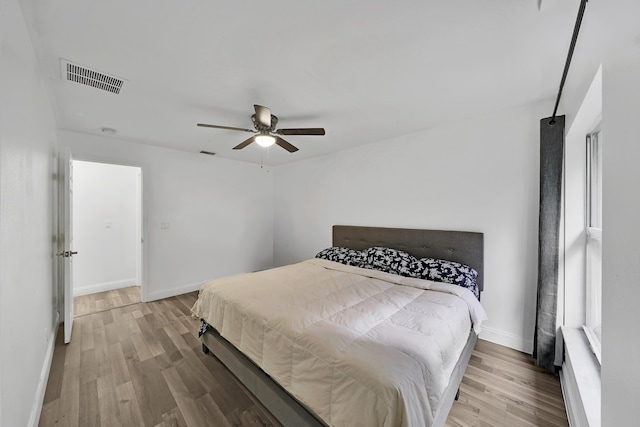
x: 284, y: 144
x: 302, y: 131
x: 263, y: 114
x: 204, y: 125
x: 244, y: 143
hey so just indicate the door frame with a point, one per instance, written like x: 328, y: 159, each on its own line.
x: 64, y: 250
x: 142, y: 253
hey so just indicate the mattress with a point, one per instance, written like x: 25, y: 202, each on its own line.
x: 357, y: 347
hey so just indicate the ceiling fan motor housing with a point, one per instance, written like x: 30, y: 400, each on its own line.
x: 261, y: 127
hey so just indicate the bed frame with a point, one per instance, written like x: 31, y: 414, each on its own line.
x: 460, y: 246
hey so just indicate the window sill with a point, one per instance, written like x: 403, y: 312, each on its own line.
x: 580, y: 379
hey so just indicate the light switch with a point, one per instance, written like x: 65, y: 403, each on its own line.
x: 107, y: 224
x: 164, y: 225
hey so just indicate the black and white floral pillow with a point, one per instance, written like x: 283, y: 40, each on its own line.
x: 403, y: 264
x: 389, y: 260
x: 441, y: 270
x: 343, y: 256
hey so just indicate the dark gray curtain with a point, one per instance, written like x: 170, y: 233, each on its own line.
x: 551, y: 162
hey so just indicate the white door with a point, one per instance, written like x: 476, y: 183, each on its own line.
x: 66, y: 252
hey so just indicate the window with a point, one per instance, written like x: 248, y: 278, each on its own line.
x: 593, y: 322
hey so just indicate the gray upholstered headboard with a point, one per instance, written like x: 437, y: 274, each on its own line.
x: 461, y: 246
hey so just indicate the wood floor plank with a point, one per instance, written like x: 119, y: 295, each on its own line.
x: 108, y: 402
x: 142, y: 365
x: 111, y: 332
x: 129, y: 351
x: 153, y: 343
x: 163, y: 361
x: 173, y: 418
x: 128, y: 404
x: 153, y: 321
x: 132, y: 323
x: 116, y: 359
x: 503, y: 387
x: 167, y: 344
x: 89, y: 411
x: 105, y: 301
x: 54, y: 384
x: 69, y: 401
x: 513, y: 392
x: 515, y: 370
x: 181, y: 327
x: 176, y: 337
x: 143, y: 351
x: 88, y: 366
x: 212, y: 411
x: 192, y: 414
x: 152, y: 391
x: 482, y: 408
x: 50, y: 410
x: 86, y: 334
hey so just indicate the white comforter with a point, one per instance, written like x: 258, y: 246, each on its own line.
x: 358, y: 347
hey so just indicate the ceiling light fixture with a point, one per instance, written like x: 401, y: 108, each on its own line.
x: 265, y: 140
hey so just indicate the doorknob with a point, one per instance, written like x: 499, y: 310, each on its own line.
x: 66, y: 254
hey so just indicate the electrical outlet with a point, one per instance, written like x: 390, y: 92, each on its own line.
x: 164, y: 225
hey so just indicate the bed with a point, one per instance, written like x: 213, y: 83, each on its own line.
x: 324, y: 343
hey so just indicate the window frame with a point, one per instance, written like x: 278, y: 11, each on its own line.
x: 593, y: 246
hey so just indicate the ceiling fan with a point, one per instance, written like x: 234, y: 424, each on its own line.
x: 265, y: 131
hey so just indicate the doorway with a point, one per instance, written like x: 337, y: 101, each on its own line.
x: 107, y: 233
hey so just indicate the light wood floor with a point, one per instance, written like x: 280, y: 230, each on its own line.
x: 503, y: 387
x: 101, y: 301
x: 142, y: 365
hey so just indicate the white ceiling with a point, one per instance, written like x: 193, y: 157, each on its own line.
x: 365, y: 71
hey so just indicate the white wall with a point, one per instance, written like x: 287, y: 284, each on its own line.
x: 220, y: 212
x: 105, y: 215
x: 27, y: 297
x: 621, y: 242
x: 475, y: 175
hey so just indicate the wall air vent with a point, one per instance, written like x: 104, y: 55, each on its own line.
x: 86, y: 76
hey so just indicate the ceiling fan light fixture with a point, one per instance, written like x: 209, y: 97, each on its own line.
x: 265, y: 140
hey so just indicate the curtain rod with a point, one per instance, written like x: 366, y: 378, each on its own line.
x: 576, y: 30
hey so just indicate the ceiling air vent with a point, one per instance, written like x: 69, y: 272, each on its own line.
x: 86, y: 76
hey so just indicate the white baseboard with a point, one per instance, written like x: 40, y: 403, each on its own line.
x: 506, y: 339
x: 34, y: 418
x: 103, y: 287
x: 152, y: 296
